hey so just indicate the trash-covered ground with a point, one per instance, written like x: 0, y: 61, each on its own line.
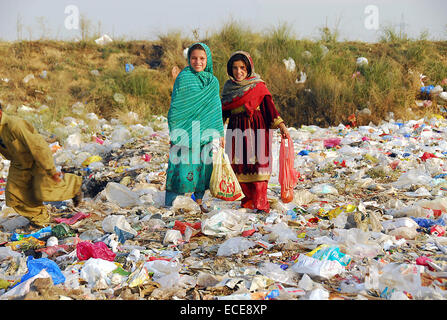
x: 367, y: 222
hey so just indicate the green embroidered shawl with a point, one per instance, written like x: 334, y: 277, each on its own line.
x: 195, y: 113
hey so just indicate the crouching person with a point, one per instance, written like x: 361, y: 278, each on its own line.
x: 32, y: 177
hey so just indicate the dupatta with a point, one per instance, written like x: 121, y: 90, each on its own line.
x: 195, y: 112
x: 249, y: 92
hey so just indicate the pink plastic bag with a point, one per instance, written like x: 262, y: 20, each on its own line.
x: 98, y: 250
x: 331, y: 142
x: 288, y: 176
x: 78, y: 216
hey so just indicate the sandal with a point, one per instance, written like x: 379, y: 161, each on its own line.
x: 203, y: 209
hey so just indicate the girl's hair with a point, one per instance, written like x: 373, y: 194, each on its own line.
x: 197, y: 46
x: 238, y: 57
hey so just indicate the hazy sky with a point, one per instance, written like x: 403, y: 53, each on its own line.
x: 145, y: 20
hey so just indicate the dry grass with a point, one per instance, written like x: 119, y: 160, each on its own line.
x: 389, y: 83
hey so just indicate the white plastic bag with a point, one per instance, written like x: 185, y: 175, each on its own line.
x: 121, y: 195
x: 95, y: 270
x: 110, y: 222
x: 234, y: 245
x: 187, y: 204
x: 276, y: 273
x: 282, y: 232
x: 172, y: 236
x: 313, y: 267
x: 223, y: 183
x: 226, y: 222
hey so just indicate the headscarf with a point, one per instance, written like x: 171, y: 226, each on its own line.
x: 249, y: 92
x: 195, y: 98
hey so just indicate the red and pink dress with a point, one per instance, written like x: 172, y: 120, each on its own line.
x: 252, y: 116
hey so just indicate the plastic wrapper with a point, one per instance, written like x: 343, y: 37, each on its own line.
x: 138, y: 277
x: 182, y: 226
x: 324, y: 189
x: 91, y: 160
x: 26, y: 244
x: 52, y: 250
x: 6, y: 252
x: 331, y: 253
x: 401, y: 276
x: 42, y: 233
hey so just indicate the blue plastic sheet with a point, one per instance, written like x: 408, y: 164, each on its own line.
x: 427, y: 223
x: 37, y: 265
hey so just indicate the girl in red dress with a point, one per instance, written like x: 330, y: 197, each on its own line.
x: 252, y: 116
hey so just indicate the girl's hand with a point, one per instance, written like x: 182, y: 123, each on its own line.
x: 284, y: 132
x: 222, y: 142
x: 57, y: 177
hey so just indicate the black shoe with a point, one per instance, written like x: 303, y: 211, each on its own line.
x: 77, y: 199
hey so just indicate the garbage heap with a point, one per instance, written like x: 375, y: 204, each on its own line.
x: 367, y: 222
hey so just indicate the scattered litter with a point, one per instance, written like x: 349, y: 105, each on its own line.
x: 367, y: 220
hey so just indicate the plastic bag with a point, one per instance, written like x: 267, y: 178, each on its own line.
x: 37, y: 265
x: 234, y: 245
x: 95, y: 270
x: 402, y: 276
x: 62, y: 230
x: 276, y: 273
x: 331, y: 142
x: 224, y: 184
x: 288, y: 176
x: 117, y: 221
x: 86, y: 250
x: 282, y: 233
x: 78, y: 216
x: 225, y: 223
x: 331, y: 253
x: 23, y: 288
x: 319, y: 268
x: 187, y: 204
x: 121, y: 195
x: 172, y: 236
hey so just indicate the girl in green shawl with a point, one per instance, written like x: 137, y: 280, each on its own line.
x: 194, y: 120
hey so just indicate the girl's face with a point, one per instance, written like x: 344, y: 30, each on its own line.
x: 197, y: 59
x: 239, y: 70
